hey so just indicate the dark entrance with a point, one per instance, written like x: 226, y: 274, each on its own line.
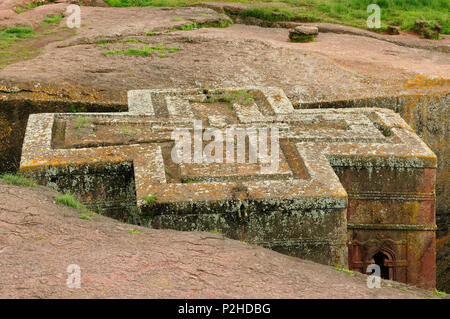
x: 379, y: 259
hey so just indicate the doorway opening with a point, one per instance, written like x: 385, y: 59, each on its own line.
x: 380, y: 259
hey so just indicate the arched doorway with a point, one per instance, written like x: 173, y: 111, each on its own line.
x: 380, y: 259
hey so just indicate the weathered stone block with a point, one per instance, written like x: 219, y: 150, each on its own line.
x: 303, y: 33
x: 393, y: 30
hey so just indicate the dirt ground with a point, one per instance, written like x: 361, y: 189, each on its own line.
x: 39, y: 239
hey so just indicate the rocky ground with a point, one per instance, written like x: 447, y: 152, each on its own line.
x: 39, y: 239
x: 337, y: 66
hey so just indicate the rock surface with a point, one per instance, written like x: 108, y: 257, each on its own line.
x: 305, y: 30
x: 303, y: 34
x: 393, y: 30
x: 39, y: 239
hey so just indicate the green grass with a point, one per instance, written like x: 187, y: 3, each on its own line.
x: 75, y: 109
x: 33, y: 5
x: 134, y: 41
x: 177, y: 19
x: 190, y: 26
x: 344, y: 270
x: 70, y: 200
x: 104, y: 42
x: 12, y: 35
x: 150, y: 200
x: 128, y: 131
x: 50, y: 31
x: 240, y: 96
x: 17, y: 180
x: 401, y: 13
x: 152, y: 33
x: 144, y: 51
x: 133, y: 231
x: 54, y: 20
x: 82, y: 122
x: 11, y: 48
x: 130, y: 41
x: 86, y: 217
x: 304, y: 38
x: 17, y: 33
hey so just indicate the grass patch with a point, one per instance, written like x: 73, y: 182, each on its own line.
x: 191, y: 26
x: 135, y: 41
x: 14, y: 34
x: 17, y: 180
x: 130, y: 41
x: 144, y: 51
x: 34, y: 4
x: 104, y: 42
x: 214, y: 231
x: 440, y: 293
x: 50, y: 31
x: 344, y: 270
x: 240, y: 96
x: 128, y: 131
x: 68, y: 199
x: 86, y: 217
x: 8, y: 38
x: 152, y: 33
x: 54, y: 20
x: 150, y: 200
x: 304, y: 38
x: 75, y: 109
x: 133, y: 231
x: 82, y: 122
x: 177, y: 19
